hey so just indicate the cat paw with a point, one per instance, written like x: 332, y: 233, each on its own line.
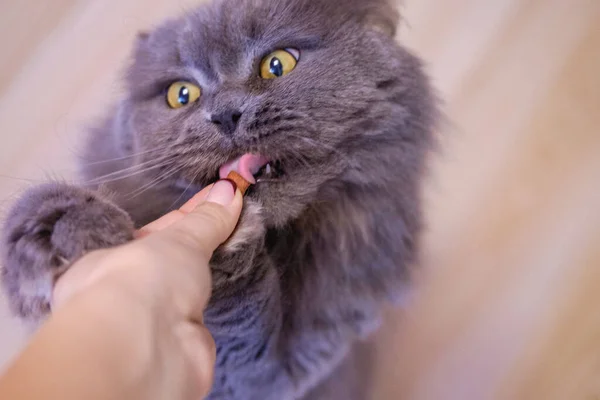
x: 49, y: 228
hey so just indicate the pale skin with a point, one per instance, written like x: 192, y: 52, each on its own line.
x: 127, y: 322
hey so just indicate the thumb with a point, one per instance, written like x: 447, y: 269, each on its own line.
x: 212, y: 222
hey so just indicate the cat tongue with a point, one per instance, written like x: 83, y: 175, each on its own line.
x: 247, y: 165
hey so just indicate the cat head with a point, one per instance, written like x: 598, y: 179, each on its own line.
x: 285, y: 90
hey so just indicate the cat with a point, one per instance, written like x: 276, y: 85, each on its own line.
x: 335, y: 120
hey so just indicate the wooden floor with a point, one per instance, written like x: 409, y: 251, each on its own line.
x: 508, y: 303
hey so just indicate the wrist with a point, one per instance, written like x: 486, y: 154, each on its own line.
x: 98, y: 278
x: 98, y: 345
x: 113, y: 320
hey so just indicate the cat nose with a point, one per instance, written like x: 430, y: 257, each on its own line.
x: 227, y: 121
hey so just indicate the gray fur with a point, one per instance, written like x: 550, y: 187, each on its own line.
x: 310, y: 266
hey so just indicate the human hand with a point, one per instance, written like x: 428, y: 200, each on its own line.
x: 154, y: 291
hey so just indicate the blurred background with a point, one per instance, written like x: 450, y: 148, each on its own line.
x: 508, y: 301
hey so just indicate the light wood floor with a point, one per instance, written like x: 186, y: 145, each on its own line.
x: 508, y: 302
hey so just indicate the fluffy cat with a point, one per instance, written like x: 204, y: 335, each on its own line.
x: 344, y: 117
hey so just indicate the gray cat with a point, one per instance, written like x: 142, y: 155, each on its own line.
x: 316, y: 101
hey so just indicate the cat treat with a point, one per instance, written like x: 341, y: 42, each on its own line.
x: 240, y: 182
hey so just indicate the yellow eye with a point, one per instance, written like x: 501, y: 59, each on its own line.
x: 279, y: 63
x: 180, y: 94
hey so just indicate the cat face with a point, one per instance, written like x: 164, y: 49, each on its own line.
x: 282, y: 89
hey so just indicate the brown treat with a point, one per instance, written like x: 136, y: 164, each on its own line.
x: 239, y: 181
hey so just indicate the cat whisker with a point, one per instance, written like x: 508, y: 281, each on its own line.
x: 155, y: 182
x: 319, y: 145
x: 110, y: 160
x: 16, y: 178
x: 129, y: 172
x: 183, y: 193
x: 301, y: 159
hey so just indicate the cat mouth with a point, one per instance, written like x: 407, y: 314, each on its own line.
x: 253, y: 168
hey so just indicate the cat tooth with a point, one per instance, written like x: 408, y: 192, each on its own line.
x: 268, y: 170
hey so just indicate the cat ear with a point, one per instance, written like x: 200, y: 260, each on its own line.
x: 380, y: 15
x: 142, y: 37
x: 141, y: 41
x: 155, y: 44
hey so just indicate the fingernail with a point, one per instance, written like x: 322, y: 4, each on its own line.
x: 222, y: 192
x: 235, y: 186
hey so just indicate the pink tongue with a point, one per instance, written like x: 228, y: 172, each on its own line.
x: 247, y: 165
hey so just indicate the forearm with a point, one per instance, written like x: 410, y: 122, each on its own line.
x: 127, y: 322
x: 86, y: 351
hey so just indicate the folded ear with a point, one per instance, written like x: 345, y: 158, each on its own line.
x: 380, y: 15
x: 142, y: 45
x: 156, y: 44
x: 147, y: 43
x: 152, y: 52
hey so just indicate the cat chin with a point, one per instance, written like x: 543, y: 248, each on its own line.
x: 250, y: 228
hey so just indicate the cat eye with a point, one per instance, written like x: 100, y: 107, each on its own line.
x: 180, y: 94
x: 279, y: 63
